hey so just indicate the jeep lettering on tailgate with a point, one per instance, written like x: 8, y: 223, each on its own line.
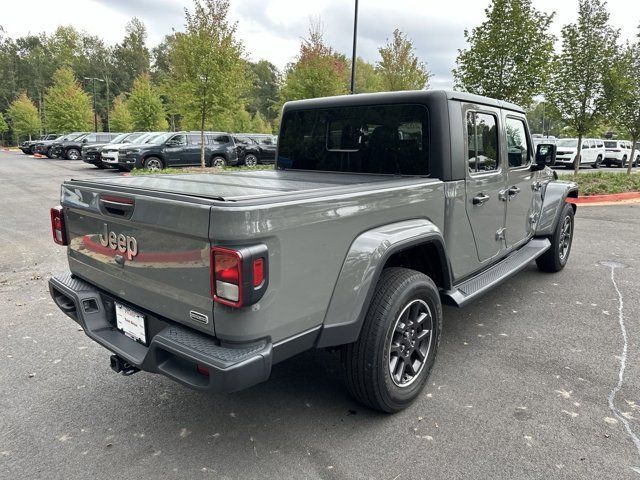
x: 121, y: 243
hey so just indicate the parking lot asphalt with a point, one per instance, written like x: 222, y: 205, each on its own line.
x: 526, y: 384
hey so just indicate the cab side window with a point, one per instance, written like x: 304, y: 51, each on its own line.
x: 178, y: 140
x: 517, y: 143
x: 482, y: 141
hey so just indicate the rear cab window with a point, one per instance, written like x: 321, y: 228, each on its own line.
x: 377, y: 139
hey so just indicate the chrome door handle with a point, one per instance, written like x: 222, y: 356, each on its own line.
x: 513, y: 191
x: 480, y: 199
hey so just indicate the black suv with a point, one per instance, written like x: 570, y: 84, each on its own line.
x: 28, y: 146
x: 92, y: 153
x: 180, y: 149
x: 71, y: 149
x: 44, y: 147
x: 254, y: 149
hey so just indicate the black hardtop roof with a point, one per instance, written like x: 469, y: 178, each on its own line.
x: 411, y: 96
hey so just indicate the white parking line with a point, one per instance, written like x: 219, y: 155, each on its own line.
x: 623, y: 361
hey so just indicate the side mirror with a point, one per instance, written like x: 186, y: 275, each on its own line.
x: 84, y: 140
x: 545, y: 156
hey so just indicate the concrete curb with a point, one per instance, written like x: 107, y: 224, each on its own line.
x: 627, y: 197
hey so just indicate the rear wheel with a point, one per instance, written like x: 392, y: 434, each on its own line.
x: 554, y: 259
x: 389, y: 364
x: 73, y: 154
x: 624, y: 162
x: 153, y: 163
x: 597, y: 163
x: 250, y: 160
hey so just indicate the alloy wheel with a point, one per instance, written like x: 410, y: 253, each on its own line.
x: 565, y: 238
x: 410, y: 343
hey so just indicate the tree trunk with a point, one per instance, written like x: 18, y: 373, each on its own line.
x: 633, y: 153
x: 202, y: 119
x: 576, y: 168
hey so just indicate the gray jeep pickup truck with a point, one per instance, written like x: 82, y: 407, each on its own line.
x: 381, y: 206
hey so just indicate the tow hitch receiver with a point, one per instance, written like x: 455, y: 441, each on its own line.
x: 118, y: 365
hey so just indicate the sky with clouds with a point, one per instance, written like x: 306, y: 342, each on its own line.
x: 271, y: 29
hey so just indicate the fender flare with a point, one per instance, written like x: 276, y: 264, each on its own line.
x: 555, y: 196
x: 361, y: 269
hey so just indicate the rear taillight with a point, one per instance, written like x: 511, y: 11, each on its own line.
x: 57, y: 226
x: 227, y: 276
x: 239, y: 276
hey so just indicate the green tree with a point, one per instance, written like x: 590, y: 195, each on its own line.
x: 579, y: 77
x: 624, y: 85
x: 208, y: 74
x: 508, y: 54
x: 23, y: 116
x: 318, y: 70
x: 263, y: 94
x: 399, y: 67
x: 368, y: 80
x: 120, y: 116
x: 131, y: 57
x: 145, y: 105
x: 68, y: 106
x: 4, y: 128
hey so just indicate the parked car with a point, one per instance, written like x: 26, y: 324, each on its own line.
x: 28, y: 146
x: 91, y: 153
x: 110, y: 154
x: 44, y: 147
x: 377, y: 212
x: 72, y: 149
x: 618, y: 153
x: 180, y: 149
x: 253, y: 151
x: 592, y: 152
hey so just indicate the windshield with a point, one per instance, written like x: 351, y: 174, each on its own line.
x: 133, y: 137
x: 119, y: 138
x: 568, y: 142
x: 159, y: 138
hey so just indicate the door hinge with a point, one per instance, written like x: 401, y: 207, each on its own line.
x: 500, y: 234
x: 533, y: 218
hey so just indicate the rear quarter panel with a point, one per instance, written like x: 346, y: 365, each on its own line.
x: 308, y: 241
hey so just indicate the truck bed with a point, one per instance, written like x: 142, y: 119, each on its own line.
x: 247, y: 186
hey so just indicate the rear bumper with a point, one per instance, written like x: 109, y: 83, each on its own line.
x: 174, y: 351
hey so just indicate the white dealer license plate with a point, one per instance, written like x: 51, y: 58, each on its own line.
x: 131, y: 323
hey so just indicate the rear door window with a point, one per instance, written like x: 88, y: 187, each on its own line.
x: 482, y: 141
x: 195, y: 140
x: 385, y: 139
x: 517, y: 142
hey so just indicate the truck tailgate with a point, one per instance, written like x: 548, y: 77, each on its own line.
x: 148, y: 251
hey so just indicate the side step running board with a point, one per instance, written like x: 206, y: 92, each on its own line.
x: 472, y: 288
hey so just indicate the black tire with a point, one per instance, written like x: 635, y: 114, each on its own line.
x: 49, y: 154
x: 623, y: 163
x: 218, y: 161
x: 555, y: 259
x: 251, y: 160
x: 100, y: 166
x: 153, y: 163
x: 368, y: 361
x: 597, y: 163
x: 72, y: 154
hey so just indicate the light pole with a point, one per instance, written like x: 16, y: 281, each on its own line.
x: 95, y: 112
x: 353, y: 55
